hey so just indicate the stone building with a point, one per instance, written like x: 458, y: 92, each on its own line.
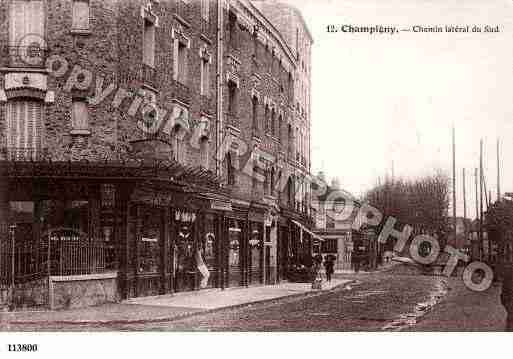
x: 337, y: 222
x: 148, y: 147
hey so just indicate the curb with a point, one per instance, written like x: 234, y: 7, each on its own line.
x: 175, y: 317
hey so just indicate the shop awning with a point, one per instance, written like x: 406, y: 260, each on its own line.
x: 319, y: 238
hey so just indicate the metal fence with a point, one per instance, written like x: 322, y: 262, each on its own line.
x: 22, y: 261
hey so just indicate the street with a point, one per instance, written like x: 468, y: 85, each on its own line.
x: 374, y: 302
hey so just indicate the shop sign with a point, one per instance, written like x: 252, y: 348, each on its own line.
x: 221, y: 205
x: 144, y: 239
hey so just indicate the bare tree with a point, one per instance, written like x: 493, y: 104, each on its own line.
x: 422, y: 203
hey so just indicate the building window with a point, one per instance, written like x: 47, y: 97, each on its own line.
x: 266, y: 118
x: 24, y: 126
x: 273, y: 122
x: 205, y: 77
x: 205, y: 10
x: 80, y: 15
x: 232, y: 31
x: 178, y: 144
x: 329, y: 245
x: 280, y: 125
x: 149, y: 43
x: 182, y: 63
x: 271, y: 183
x: 266, y: 183
x: 80, y: 115
x: 255, y: 45
x: 232, y: 98
x: 230, y: 170
x: 204, y: 152
x: 26, y: 32
x: 254, y: 106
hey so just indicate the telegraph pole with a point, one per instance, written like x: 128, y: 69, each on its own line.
x: 477, y: 214
x: 498, y: 171
x: 481, y: 247
x: 464, y: 208
x: 454, y: 181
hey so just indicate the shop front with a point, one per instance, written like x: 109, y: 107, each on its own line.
x: 146, y: 227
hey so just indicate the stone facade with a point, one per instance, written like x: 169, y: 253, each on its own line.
x: 163, y: 80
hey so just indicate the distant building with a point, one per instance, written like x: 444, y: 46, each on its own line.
x: 334, y: 222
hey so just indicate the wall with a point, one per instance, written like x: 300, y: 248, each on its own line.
x: 82, y: 291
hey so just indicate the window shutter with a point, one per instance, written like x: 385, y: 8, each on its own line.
x: 81, y: 14
x: 24, y: 126
x: 80, y: 117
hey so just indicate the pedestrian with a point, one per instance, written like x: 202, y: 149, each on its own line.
x: 328, y: 266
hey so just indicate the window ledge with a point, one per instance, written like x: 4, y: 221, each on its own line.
x: 81, y: 32
x: 80, y: 132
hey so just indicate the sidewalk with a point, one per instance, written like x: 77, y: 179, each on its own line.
x: 166, y: 307
x: 464, y: 310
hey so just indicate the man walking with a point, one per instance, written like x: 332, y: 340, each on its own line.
x: 328, y: 266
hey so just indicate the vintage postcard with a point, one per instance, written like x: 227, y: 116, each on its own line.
x: 255, y: 166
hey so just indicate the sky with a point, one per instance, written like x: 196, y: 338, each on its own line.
x: 389, y: 101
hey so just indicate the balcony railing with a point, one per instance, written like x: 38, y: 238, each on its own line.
x: 149, y: 75
x: 181, y: 92
x: 24, y: 154
x: 26, y: 56
x: 232, y: 120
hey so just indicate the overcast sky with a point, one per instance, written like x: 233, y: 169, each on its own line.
x: 393, y: 98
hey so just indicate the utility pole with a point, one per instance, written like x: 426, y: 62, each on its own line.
x: 477, y: 214
x: 454, y: 181
x: 464, y: 208
x: 498, y: 171
x: 481, y: 246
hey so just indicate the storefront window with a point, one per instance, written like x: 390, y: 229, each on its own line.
x: 149, y: 248
x: 255, y: 246
x: 235, y: 238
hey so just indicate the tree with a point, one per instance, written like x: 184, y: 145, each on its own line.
x: 422, y: 203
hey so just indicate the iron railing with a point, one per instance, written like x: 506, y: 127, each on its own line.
x: 24, y: 154
x: 26, y: 56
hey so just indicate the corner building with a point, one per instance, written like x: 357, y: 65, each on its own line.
x: 114, y: 182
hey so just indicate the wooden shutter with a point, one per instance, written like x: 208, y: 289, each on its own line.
x: 80, y: 116
x: 24, y: 126
x: 80, y: 15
